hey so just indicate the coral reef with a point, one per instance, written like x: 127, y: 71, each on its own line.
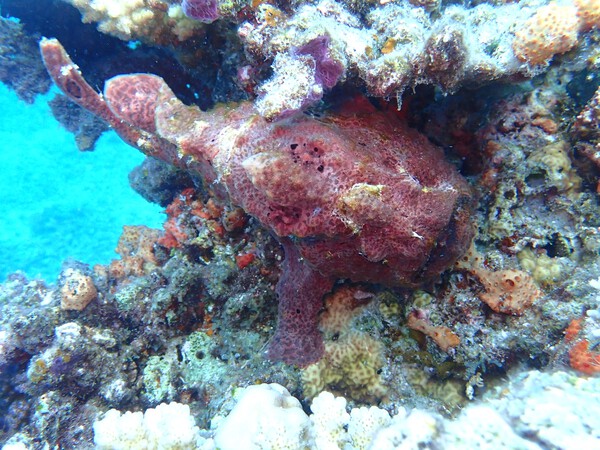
x: 587, y: 124
x: 58, y: 355
x: 400, y: 45
x: 300, y: 79
x: 293, y: 54
x: 136, y: 249
x: 363, y: 198
x: 345, y: 219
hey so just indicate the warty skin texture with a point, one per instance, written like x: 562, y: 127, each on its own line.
x: 354, y: 195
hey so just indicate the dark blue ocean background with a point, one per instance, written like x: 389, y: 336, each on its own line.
x: 58, y: 202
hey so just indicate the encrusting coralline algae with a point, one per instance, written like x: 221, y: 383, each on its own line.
x: 421, y: 266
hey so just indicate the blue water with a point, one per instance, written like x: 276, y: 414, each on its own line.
x: 58, y: 202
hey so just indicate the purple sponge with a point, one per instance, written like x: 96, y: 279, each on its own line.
x: 203, y: 10
x: 327, y: 70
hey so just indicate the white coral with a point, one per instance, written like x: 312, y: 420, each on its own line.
x: 407, y: 431
x: 265, y: 417
x: 166, y: 427
x: 364, y: 424
x: 329, y: 419
x: 524, y: 415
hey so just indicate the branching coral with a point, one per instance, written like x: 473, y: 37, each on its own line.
x: 354, y: 195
